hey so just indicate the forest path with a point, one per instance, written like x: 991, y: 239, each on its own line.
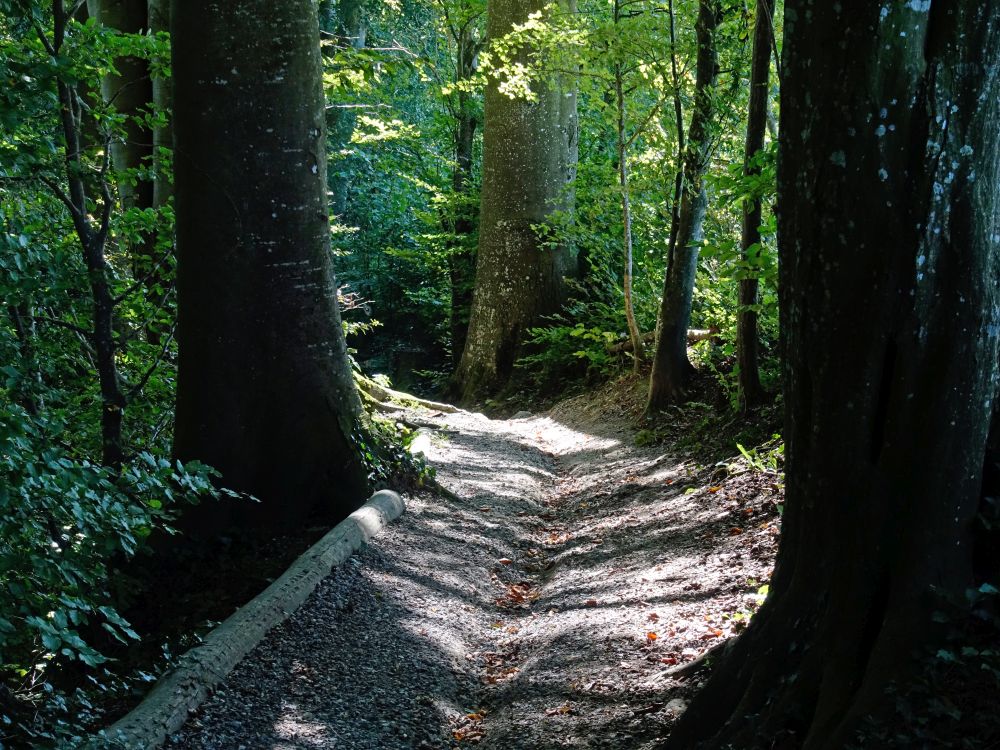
x: 541, y: 607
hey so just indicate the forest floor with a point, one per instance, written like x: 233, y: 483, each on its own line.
x: 580, y: 562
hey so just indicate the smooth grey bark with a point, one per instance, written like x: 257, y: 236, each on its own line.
x: 265, y: 392
x: 751, y: 392
x: 670, y: 362
x: 889, y: 243
x: 529, y: 159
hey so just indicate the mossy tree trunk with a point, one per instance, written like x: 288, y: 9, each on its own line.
x: 529, y: 158
x: 265, y: 392
x: 889, y: 241
x: 670, y: 360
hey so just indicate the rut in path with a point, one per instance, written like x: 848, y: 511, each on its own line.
x: 544, y: 607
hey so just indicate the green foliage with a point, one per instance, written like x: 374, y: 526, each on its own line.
x: 950, y: 702
x: 66, y: 526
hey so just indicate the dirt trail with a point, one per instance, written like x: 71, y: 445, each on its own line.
x: 544, y: 607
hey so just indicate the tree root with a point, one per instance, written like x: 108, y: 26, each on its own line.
x: 380, y: 395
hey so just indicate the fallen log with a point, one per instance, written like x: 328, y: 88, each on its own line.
x: 185, y: 687
x: 694, y: 336
x: 382, y: 394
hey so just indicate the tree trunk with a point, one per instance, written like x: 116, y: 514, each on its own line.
x: 529, y: 158
x: 163, y: 136
x: 265, y: 393
x: 670, y: 361
x: 675, y: 203
x: 91, y: 221
x: 890, y: 318
x: 638, y: 350
x: 747, y: 336
x: 347, y: 23
x: 462, y: 258
x: 130, y: 94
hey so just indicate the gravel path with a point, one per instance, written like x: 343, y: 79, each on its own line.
x: 545, y: 607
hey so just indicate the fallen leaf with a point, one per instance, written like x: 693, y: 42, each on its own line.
x: 651, y: 636
x: 668, y: 660
x: 735, y: 530
x: 559, y: 710
x: 714, y: 489
x: 505, y: 561
x: 590, y: 603
x: 653, y: 617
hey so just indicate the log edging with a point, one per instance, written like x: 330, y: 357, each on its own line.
x: 184, y: 687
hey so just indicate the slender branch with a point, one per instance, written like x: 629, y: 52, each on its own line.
x: 63, y: 324
x: 641, y: 128
x: 137, y: 388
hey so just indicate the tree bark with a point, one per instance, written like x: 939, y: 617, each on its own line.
x: 265, y: 392
x: 529, y: 158
x: 91, y: 221
x: 638, y: 350
x: 751, y: 392
x: 462, y: 258
x: 890, y: 317
x: 163, y: 136
x: 130, y: 93
x: 670, y: 361
x: 346, y: 22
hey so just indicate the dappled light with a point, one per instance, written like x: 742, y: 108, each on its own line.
x: 499, y: 374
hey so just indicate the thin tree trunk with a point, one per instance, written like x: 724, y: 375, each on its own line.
x: 347, y: 23
x: 622, y: 147
x: 265, y: 391
x: 747, y: 334
x: 462, y: 258
x: 92, y: 235
x: 890, y: 384
x: 129, y: 93
x: 24, y: 329
x: 163, y: 136
x: 675, y: 206
x: 670, y: 361
x: 529, y: 158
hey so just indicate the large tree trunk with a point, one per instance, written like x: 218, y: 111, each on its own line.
x: 747, y: 335
x: 890, y: 315
x: 670, y: 361
x: 265, y: 393
x: 529, y: 157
